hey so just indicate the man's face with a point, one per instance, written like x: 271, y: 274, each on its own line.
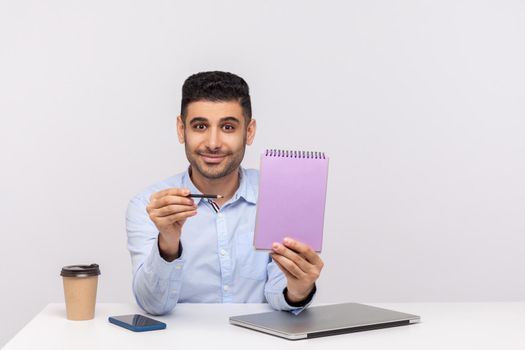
x: 215, y: 135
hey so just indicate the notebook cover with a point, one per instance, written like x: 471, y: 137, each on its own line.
x: 292, y: 197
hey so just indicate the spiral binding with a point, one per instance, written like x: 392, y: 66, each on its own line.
x: 294, y: 154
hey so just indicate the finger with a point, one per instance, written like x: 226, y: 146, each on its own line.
x: 174, y: 191
x: 285, y: 271
x: 304, y: 250
x: 169, y: 200
x: 290, y: 266
x: 176, y: 217
x: 172, y: 209
x: 290, y: 254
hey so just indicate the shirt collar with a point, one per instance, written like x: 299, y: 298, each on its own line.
x: 247, y: 189
x: 187, y: 183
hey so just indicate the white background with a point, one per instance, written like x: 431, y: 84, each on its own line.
x: 419, y: 104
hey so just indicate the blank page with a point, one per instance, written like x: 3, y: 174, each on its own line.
x: 292, y: 196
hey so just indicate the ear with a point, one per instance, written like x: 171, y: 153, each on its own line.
x: 180, y: 129
x: 250, y: 131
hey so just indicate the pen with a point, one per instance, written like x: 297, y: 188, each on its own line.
x: 195, y: 195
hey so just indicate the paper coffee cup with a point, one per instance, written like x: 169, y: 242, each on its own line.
x: 80, y: 290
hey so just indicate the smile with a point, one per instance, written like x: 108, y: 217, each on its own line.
x: 212, y: 158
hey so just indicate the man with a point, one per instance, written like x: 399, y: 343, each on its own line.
x: 200, y: 250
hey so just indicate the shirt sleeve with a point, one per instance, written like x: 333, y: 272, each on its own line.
x: 156, y: 282
x: 275, y: 288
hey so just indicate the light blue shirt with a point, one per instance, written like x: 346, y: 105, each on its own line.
x: 218, y: 263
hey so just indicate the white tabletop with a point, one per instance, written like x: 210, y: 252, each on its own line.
x: 198, y: 326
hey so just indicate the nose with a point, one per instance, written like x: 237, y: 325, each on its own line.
x: 214, y: 139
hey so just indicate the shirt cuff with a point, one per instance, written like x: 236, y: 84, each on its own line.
x: 166, y: 269
x: 276, y: 297
x: 302, y: 303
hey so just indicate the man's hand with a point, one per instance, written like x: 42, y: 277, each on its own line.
x: 301, y: 266
x: 169, y: 209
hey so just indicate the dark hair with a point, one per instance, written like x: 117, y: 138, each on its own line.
x: 216, y: 86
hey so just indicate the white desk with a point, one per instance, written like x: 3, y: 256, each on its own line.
x: 198, y: 326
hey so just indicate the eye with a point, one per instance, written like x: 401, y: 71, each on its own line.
x: 199, y: 126
x: 228, y: 127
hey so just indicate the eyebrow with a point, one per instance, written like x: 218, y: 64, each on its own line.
x: 222, y: 120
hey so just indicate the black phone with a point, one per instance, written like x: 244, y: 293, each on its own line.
x: 137, y: 323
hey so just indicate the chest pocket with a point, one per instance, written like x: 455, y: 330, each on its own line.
x: 251, y: 264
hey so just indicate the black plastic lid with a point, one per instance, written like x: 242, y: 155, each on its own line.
x: 80, y: 270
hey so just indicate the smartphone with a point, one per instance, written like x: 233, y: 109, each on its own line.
x: 137, y: 323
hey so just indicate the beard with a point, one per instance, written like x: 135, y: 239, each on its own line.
x: 229, y: 164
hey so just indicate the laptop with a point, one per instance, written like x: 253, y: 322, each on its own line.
x: 320, y: 321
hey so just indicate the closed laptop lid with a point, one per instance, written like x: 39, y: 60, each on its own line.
x: 324, y: 320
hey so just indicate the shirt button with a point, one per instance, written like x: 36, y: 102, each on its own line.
x: 221, y: 215
x: 226, y: 287
x: 223, y: 252
x: 178, y: 267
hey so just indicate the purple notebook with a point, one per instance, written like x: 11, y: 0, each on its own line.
x: 292, y: 196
